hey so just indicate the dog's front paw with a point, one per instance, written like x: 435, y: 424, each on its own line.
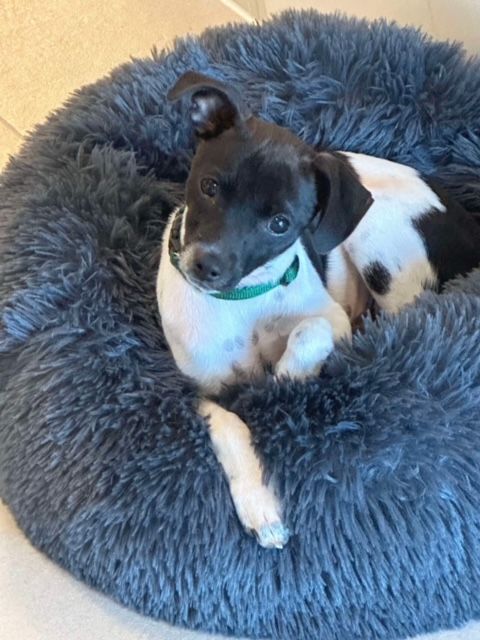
x: 308, y: 346
x: 259, y: 511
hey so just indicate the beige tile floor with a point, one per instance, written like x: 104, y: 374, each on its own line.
x: 47, y: 49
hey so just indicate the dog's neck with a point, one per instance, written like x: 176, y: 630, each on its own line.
x: 280, y: 271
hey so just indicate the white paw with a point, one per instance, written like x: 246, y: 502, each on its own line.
x: 308, y: 346
x: 259, y: 511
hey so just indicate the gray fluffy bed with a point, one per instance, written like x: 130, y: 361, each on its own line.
x: 102, y: 459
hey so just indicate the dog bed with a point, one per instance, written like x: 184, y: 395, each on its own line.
x: 103, y: 461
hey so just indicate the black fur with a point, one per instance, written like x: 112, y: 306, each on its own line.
x: 342, y: 201
x: 451, y: 239
x: 377, y: 277
x: 214, y: 106
x: 262, y: 170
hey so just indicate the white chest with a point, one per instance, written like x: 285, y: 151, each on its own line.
x: 220, y: 341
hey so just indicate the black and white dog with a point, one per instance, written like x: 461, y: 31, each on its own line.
x: 277, y: 250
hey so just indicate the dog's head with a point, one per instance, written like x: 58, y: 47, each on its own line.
x: 254, y: 188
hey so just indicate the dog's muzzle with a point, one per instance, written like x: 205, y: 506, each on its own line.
x: 208, y: 266
x: 201, y: 264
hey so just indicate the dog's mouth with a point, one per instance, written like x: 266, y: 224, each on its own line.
x: 182, y: 260
x: 220, y: 287
x: 223, y: 285
x: 232, y: 283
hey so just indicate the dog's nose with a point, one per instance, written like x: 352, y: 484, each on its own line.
x: 206, y: 265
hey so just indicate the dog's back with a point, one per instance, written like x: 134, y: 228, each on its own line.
x: 412, y: 237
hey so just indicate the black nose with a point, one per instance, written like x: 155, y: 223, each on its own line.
x: 206, y: 265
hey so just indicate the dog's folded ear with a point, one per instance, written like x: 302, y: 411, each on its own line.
x: 342, y: 201
x: 214, y: 106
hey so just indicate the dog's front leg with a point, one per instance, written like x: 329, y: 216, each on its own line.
x: 256, y: 504
x: 311, y: 342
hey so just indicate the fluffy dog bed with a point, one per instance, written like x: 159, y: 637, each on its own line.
x: 103, y: 461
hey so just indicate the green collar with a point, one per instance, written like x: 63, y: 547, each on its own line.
x: 242, y: 293
x: 245, y: 293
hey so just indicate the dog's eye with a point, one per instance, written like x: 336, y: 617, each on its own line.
x: 209, y: 187
x: 279, y: 224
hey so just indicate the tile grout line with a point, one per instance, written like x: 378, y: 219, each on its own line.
x: 10, y: 127
x: 239, y: 10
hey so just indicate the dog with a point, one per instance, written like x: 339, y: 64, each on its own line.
x: 277, y: 249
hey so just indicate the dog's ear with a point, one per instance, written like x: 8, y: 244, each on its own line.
x: 342, y: 201
x: 214, y: 106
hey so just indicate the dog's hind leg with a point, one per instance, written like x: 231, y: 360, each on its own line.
x: 256, y: 504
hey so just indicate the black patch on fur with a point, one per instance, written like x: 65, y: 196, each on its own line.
x: 342, y: 201
x: 451, y: 238
x: 377, y: 277
x: 318, y: 260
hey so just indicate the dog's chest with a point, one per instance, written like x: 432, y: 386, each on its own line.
x: 224, y: 341
x: 245, y: 344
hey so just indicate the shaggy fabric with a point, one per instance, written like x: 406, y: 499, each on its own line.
x: 103, y: 461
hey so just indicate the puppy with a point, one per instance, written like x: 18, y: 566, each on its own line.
x: 276, y: 251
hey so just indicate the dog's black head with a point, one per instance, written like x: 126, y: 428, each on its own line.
x: 254, y: 188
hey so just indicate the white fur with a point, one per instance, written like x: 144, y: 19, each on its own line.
x: 256, y: 504
x: 345, y: 284
x: 308, y: 346
x: 183, y: 225
x: 386, y: 235
x: 214, y: 341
